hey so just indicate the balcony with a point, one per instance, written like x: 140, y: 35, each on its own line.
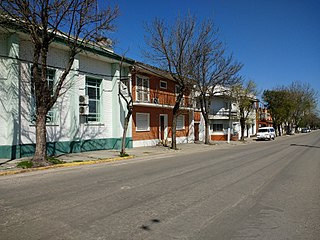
x: 265, y: 117
x: 223, y: 113
x: 232, y: 113
x: 161, y: 99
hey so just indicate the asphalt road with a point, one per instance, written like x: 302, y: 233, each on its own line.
x: 264, y: 190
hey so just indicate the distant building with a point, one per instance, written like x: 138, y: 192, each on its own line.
x: 224, y: 114
x: 264, y: 118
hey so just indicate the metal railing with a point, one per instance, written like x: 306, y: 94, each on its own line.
x: 167, y: 99
x: 224, y: 113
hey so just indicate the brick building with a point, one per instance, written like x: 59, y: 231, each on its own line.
x: 154, y: 95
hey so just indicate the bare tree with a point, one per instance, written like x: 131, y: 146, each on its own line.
x: 173, y: 49
x: 76, y: 23
x: 213, y: 71
x: 245, y: 96
x: 126, y: 95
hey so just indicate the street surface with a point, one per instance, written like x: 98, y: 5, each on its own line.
x: 263, y: 190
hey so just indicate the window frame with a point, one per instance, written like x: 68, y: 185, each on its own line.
x: 52, y: 115
x: 147, y: 129
x: 214, y: 127
x: 180, y: 120
x: 145, y: 91
x: 94, y: 117
x: 226, y: 105
x: 176, y: 92
x: 166, y: 84
x: 176, y: 87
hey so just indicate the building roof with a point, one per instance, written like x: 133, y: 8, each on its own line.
x: 98, y: 47
x: 146, y: 68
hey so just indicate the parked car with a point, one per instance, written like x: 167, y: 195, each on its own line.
x: 266, y: 133
x: 305, y: 130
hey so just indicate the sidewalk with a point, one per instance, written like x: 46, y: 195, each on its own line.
x: 8, y: 167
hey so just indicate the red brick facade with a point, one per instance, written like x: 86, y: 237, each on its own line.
x: 160, y: 102
x: 154, y: 132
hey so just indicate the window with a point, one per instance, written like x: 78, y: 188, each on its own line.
x: 52, y: 114
x: 94, y: 93
x: 163, y: 84
x: 180, y: 122
x: 142, y: 122
x: 226, y: 105
x: 216, y: 127
x: 142, y: 85
x: 125, y: 86
x: 177, y: 91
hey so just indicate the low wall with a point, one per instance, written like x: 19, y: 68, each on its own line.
x: 223, y: 137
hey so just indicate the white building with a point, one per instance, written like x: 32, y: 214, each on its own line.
x: 224, y: 114
x: 93, y: 121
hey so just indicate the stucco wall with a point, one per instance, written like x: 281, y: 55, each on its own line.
x: 16, y: 126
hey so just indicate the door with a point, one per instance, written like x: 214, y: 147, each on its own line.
x: 163, y: 126
x: 196, y: 131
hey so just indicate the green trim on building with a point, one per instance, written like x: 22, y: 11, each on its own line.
x: 96, y: 50
x: 90, y: 47
x: 58, y: 148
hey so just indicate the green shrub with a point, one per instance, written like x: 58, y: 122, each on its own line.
x: 54, y: 160
x: 25, y: 164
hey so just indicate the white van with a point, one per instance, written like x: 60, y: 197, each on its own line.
x: 266, y: 133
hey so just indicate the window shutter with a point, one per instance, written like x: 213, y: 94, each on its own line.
x: 142, y: 121
x: 180, y: 122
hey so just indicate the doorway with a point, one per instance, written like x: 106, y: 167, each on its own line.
x: 196, y: 131
x: 163, y: 127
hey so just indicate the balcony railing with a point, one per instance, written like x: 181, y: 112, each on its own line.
x: 224, y: 113
x: 165, y: 99
x: 265, y: 117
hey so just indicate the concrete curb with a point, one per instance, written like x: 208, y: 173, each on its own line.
x: 134, y: 154
x: 71, y: 164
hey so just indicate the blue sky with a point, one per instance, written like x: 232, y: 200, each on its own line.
x: 278, y: 41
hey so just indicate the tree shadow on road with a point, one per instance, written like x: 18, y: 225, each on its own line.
x: 147, y: 227
x: 304, y: 145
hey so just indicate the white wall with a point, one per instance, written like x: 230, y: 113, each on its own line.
x: 9, y: 87
x: 4, y: 65
x: 68, y: 126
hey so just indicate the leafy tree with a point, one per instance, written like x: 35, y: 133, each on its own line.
x: 303, y: 98
x: 280, y: 107
x: 173, y: 48
x: 292, y: 106
x: 310, y: 120
x: 77, y: 23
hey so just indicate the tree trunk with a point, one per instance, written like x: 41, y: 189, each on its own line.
x: 205, y: 114
x: 206, y: 119
x: 279, y: 130
x: 207, y: 135
x: 174, y: 127
x: 275, y: 126
x: 124, y: 135
x: 40, y: 155
x: 175, y: 113
x: 243, y: 125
